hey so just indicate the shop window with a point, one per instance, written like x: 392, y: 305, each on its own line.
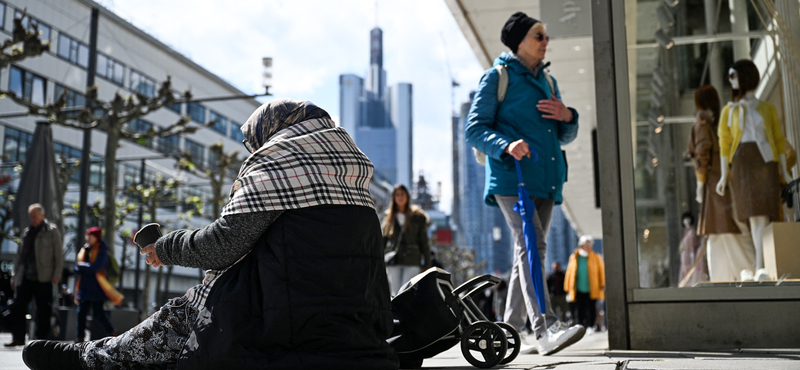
x: 221, y: 125
x: 26, y: 85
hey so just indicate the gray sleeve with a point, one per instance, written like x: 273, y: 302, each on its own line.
x: 217, y: 245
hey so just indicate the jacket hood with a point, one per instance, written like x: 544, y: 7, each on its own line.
x: 508, y: 60
x: 514, y: 63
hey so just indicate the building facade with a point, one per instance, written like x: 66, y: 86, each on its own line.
x: 479, y: 227
x: 128, y: 61
x: 379, y: 117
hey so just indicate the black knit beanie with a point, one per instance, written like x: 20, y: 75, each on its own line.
x: 515, y: 29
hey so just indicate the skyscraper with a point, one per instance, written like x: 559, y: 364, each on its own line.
x: 479, y: 227
x: 379, y: 118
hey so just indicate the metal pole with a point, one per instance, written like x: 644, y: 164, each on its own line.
x: 87, y: 133
x: 138, y: 227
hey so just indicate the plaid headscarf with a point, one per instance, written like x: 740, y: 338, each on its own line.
x: 305, y: 164
x: 276, y: 116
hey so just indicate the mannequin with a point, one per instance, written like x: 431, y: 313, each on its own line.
x: 751, y: 141
x: 729, y: 251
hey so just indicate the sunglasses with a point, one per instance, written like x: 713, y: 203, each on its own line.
x: 248, y: 146
x: 541, y: 37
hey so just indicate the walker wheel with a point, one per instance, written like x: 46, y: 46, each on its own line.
x: 514, y: 342
x: 484, y: 344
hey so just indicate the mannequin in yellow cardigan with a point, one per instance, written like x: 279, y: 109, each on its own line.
x: 751, y: 142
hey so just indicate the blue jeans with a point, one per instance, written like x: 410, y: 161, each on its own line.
x: 98, y: 314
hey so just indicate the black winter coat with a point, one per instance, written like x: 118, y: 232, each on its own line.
x: 414, y: 249
x: 313, y: 294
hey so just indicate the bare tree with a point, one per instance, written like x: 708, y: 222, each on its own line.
x: 112, y: 117
x: 215, y: 172
x: 156, y: 193
x: 23, y: 44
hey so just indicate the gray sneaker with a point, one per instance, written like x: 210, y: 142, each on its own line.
x: 558, y: 337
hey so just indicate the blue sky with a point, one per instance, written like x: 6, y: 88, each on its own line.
x: 314, y: 41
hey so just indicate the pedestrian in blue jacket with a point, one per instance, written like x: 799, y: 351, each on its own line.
x: 529, y: 119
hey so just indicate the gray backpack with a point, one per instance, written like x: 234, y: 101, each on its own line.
x: 502, y: 86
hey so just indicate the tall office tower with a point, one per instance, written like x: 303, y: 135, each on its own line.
x: 379, y: 118
x: 376, y: 79
x: 400, y: 97
x: 351, y: 87
x: 480, y: 227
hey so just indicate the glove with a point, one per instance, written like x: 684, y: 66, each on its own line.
x: 699, y: 194
x: 723, y: 180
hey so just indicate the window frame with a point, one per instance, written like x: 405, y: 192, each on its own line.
x: 236, y: 132
x: 26, y: 22
x: 74, y: 50
x: 187, y: 143
x: 221, y: 126
x: 140, y: 79
x: 166, y: 147
x: 110, y: 64
x: 190, y: 113
x: 27, y: 79
x: 3, y: 7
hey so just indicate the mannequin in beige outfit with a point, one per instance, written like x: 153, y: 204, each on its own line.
x: 751, y: 142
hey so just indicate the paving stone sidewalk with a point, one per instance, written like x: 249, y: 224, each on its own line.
x: 589, y: 354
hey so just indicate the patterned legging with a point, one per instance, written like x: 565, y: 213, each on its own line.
x: 155, y: 343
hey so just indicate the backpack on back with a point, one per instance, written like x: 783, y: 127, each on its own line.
x: 502, y: 87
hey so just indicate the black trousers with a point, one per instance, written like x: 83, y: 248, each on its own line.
x: 584, y: 310
x: 42, y: 293
x: 98, y: 314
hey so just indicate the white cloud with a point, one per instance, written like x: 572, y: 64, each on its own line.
x: 312, y: 42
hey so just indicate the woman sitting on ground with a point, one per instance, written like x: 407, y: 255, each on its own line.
x: 296, y: 274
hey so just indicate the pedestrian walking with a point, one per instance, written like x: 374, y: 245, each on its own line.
x: 37, y: 268
x: 585, y: 281
x: 558, y: 296
x: 295, y: 278
x: 92, y: 287
x: 517, y: 111
x: 405, y: 236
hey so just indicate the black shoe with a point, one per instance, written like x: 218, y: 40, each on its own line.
x: 50, y: 354
x: 15, y: 343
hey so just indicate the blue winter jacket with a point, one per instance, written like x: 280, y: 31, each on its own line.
x: 492, y: 126
x: 90, y: 289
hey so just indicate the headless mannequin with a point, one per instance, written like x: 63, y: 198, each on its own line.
x: 757, y: 223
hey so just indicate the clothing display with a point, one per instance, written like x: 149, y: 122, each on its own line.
x: 716, y: 212
x: 755, y: 184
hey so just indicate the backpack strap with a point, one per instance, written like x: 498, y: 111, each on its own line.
x: 502, y: 85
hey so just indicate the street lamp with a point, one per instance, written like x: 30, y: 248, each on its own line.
x: 267, y: 74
